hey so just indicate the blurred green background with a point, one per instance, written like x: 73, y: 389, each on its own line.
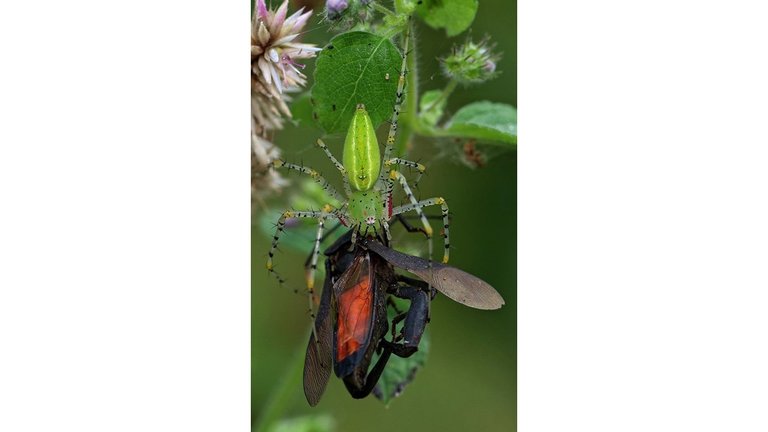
x: 469, y: 381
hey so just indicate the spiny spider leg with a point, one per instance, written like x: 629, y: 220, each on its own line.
x: 312, y: 173
x: 387, y: 231
x: 353, y: 240
x: 398, y: 104
x: 427, y: 203
x: 405, y: 162
x: 321, y: 215
x: 339, y: 166
x: 326, y: 234
x: 427, y: 227
x: 313, y: 264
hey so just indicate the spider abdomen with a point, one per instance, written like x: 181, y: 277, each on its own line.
x: 362, y: 158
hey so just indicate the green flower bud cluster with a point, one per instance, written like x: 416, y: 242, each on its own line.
x: 471, y: 62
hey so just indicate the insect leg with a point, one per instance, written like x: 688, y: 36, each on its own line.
x: 418, y: 283
x: 395, y: 321
x: 373, y: 375
x: 427, y: 288
x: 407, y: 225
x: 391, y: 303
x: 416, y: 320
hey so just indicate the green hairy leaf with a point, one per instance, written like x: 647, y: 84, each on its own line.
x: 356, y: 67
x: 485, y: 121
x: 454, y: 16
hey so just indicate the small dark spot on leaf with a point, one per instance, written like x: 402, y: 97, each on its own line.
x: 330, y: 47
x: 333, y: 107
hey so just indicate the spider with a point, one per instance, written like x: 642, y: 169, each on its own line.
x: 368, y: 185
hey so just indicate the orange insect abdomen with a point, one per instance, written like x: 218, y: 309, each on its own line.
x: 354, y: 319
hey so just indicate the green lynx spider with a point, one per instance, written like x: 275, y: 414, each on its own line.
x: 368, y: 186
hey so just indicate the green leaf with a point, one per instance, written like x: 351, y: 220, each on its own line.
x: 301, y: 108
x: 310, y: 423
x: 430, y: 110
x: 356, y: 67
x: 454, y: 16
x: 400, y: 371
x: 485, y: 121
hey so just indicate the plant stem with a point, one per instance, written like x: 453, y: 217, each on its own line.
x: 281, y: 395
x: 382, y: 9
x: 444, y: 95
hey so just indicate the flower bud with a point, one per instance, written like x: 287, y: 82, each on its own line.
x: 334, y: 8
x: 471, y: 62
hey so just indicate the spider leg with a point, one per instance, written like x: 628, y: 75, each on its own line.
x: 312, y: 173
x: 404, y: 162
x: 321, y: 216
x: 400, y: 96
x: 418, y: 206
x: 339, y: 166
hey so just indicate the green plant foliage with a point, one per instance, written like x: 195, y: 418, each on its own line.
x: 454, y: 16
x: 431, y: 107
x: 485, y: 121
x: 356, y: 67
x: 311, y: 423
x: 401, y: 371
x: 301, y: 108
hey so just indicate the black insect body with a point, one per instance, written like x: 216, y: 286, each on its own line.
x: 352, y: 320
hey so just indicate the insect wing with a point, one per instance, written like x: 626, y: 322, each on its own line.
x: 319, y: 358
x: 353, y: 300
x: 456, y: 284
